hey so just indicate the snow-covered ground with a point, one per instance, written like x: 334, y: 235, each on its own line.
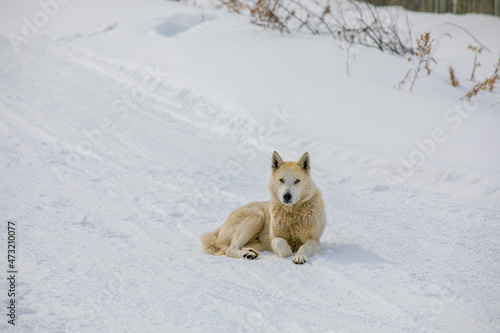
x: 129, y: 129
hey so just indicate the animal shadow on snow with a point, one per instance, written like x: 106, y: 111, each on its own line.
x: 346, y: 254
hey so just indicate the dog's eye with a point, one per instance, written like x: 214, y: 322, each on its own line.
x: 297, y: 181
x: 282, y: 180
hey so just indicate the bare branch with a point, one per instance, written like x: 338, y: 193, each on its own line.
x: 358, y: 18
x: 468, y: 32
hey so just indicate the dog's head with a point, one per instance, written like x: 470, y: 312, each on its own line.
x: 291, y: 181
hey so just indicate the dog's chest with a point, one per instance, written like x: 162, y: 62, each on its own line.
x: 295, y: 244
x: 293, y: 234
x: 289, y: 227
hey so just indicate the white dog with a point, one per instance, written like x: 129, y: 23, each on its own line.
x: 293, y: 220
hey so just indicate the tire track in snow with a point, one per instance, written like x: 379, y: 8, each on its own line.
x: 186, y: 106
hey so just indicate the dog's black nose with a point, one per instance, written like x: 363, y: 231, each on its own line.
x: 287, y: 197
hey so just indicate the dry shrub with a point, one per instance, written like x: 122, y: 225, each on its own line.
x: 264, y: 13
x: 477, y: 51
x: 368, y: 26
x: 487, y: 85
x: 232, y: 5
x: 453, y: 79
x: 424, y: 50
x: 423, y: 54
x: 347, y: 42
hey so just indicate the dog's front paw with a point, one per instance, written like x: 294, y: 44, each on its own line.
x: 250, y: 254
x: 299, y: 259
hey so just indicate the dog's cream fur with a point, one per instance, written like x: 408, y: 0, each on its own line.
x: 293, y: 220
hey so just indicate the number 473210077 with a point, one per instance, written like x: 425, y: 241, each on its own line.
x: 11, y: 249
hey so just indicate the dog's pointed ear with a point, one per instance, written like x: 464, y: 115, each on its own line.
x: 305, y: 162
x: 276, y: 161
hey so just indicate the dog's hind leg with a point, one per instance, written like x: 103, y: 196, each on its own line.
x: 246, y: 231
x: 210, y: 245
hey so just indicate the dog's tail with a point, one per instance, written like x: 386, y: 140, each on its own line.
x: 209, y: 243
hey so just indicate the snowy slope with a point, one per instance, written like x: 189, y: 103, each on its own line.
x: 221, y: 55
x: 112, y: 171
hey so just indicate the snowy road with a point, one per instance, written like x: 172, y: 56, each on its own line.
x: 111, y: 175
